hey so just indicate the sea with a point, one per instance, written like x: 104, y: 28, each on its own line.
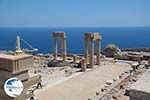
x: 41, y: 38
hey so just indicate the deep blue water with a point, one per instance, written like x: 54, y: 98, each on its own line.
x: 41, y: 38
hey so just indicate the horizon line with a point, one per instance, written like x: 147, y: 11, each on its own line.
x: 71, y: 26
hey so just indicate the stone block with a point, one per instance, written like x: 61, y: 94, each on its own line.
x: 74, y: 58
x: 4, y: 75
x: 83, y: 64
x: 12, y: 63
x: 139, y: 95
x: 25, y: 95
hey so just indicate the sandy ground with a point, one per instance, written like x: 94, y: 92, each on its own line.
x: 81, y: 86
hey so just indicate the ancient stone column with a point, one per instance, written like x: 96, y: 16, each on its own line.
x: 55, y: 48
x: 92, y: 54
x: 18, y: 43
x: 86, y: 49
x: 64, y: 55
x: 148, y: 62
x: 74, y: 58
x: 62, y: 46
x: 83, y: 64
x: 98, y: 52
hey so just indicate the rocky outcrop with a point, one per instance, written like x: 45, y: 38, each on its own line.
x: 57, y: 63
x: 111, y: 50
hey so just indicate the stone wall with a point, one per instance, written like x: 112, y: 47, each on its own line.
x: 140, y: 90
x: 139, y: 95
x: 15, y: 66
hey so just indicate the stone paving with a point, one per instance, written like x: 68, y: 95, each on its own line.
x: 83, y: 85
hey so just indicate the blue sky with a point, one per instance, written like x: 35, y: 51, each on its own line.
x: 74, y: 13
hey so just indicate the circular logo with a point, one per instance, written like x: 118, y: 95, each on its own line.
x: 13, y: 87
